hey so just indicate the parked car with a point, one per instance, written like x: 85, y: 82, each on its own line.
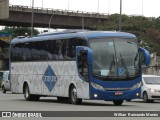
x: 5, y: 81
x: 150, y: 88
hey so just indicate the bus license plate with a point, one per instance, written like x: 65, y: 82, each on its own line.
x: 118, y: 93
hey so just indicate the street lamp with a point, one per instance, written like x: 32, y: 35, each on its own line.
x: 32, y: 18
x: 120, y: 16
x: 50, y: 21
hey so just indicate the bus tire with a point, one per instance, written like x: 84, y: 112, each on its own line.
x: 118, y: 102
x: 28, y: 96
x: 73, y: 96
x: 3, y: 89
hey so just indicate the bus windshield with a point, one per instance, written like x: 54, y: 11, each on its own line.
x: 115, y: 58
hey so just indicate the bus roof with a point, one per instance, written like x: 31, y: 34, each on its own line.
x: 79, y: 34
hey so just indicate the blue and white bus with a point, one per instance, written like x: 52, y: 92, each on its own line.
x: 93, y: 65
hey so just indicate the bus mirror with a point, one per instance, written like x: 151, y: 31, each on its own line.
x: 144, y: 56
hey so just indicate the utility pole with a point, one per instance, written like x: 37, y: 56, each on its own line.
x: 68, y: 4
x: 98, y: 6
x: 142, y: 7
x: 120, y: 16
x: 82, y: 21
x: 32, y: 18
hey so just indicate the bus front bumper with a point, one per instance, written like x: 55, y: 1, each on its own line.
x: 96, y: 94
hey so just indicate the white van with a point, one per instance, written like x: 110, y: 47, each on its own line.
x: 150, y: 88
x: 5, y: 81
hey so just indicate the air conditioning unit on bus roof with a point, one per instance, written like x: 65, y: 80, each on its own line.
x: 65, y: 31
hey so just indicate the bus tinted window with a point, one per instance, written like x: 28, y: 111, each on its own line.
x: 46, y: 47
x: 63, y: 49
x: 17, y: 52
x: 26, y: 52
x: 71, y: 49
x: 35, y: 50
x: 55, y: 49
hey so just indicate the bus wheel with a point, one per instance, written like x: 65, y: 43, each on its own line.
x: 3, y: 89
x: 73, y: 96
x: 28, y: 96
x: 145, y: 97
x: 118, y: 102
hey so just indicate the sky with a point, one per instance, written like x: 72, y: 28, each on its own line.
x: 148, y: 8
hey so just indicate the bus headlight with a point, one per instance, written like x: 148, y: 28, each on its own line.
x: 96, y: 86
x: 136, y: 86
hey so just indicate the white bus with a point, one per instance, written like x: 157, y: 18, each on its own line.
x: 97, y: 65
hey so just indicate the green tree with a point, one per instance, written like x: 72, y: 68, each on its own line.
x: 146, y: 29
x: 19, y: 31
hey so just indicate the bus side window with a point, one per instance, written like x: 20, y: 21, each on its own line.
x: 72, y: 43
x: 17, y: 52
x: 35, y: 50
x: 71, y: 48
x: 27, y: 52
x: 46, y: 50
x: 63, y: 49
x: 55, y: 49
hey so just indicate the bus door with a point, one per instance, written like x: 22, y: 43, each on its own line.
x: 83, y: 67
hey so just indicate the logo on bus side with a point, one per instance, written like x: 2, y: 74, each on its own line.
x: 49, y: 78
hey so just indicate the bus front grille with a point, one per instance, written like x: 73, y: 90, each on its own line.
x: 115, y: 89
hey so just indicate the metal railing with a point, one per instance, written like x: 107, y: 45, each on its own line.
x: 57, y: 11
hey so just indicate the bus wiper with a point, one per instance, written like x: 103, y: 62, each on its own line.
x: 124, y: 64
x: 132, y: 43
x: 100, y: 76
x: 112, y: 64
x: 135, y: 59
